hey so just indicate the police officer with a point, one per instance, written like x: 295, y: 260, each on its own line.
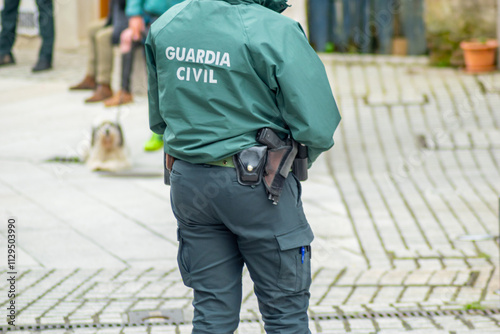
x: 218, y: 71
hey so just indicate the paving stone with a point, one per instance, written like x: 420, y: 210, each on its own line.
x: 322, y: 309
x: 408, y: 265
x: 362, y: 295
x: 431, y: 264
x: 442, y: 294
x: 469, y: 295
x: 357, y: 324
x: 454, y: 263
x: 387, y: 323
x: 415, y: 294
x: 164, y: 329
x: 395, y: 277
x: 388, y: 294
x: 419, y: 323
x: 376, y: 202
x: 451, y: 323
x: 443, y: 277
x: 328, y: 325
x: 371, y: 277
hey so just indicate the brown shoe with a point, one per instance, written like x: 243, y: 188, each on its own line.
x: 122, y: 97
x: 87, y: 83
x: 101, y: 93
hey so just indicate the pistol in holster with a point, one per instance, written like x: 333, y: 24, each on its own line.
x: 282, y: 156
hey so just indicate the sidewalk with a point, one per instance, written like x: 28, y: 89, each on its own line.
x: 416, y: 167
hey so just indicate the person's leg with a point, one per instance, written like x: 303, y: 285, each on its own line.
x: 104, y: 55
x: 127, y: 66
x: 208, y: 255
x: 91, y: 56
x: 46, y: 23
x: 271, y: 239
x: 88, y: 81
x: 124, y: 96
x: 104, y: 64
x: 8, y: 33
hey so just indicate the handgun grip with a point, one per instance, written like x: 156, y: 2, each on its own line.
x: 266, y: 136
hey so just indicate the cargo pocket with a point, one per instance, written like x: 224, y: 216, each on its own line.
x: 181, y: 260
x: 294, y: 269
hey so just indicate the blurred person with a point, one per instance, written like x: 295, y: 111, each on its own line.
x: 142, y: 13
x: 103, y: 35
x: 10, y: 13
x: 127, y: 49
x: 219, y: 72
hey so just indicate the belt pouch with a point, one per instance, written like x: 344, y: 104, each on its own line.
x: 250, y: 164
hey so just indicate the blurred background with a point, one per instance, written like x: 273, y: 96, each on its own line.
x: 399, y: 27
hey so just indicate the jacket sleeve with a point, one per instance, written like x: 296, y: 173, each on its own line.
x: 156, y: 122
x: 294, y: 71
x: 135, y: 7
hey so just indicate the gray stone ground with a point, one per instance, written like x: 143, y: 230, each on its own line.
x: 415, y: 167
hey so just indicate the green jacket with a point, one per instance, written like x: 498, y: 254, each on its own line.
x: 219, y: 70
x: 156, y: 7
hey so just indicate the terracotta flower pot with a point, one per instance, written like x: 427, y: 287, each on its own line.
x: 479, y: 56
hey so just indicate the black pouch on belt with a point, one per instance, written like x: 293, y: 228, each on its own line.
x: 250, y: 164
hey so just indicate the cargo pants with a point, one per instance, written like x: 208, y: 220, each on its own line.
x: 222, y: 226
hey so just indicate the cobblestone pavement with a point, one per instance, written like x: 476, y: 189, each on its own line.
x: 342, y: 300
x: 404, y: 208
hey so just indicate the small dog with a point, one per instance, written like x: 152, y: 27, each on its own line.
x: 107, y: 149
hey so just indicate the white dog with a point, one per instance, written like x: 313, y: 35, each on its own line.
x: 107, y: 150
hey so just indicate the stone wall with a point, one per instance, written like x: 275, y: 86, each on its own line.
x: 451, y: 21
x: 463, y: 17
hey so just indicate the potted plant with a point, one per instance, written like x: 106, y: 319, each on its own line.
x: 479, y: 54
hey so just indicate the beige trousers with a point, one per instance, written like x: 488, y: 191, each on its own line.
x: 100, y: 59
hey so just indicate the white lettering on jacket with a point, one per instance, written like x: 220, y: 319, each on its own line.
x: 199, y: 75
x: 197, y: 56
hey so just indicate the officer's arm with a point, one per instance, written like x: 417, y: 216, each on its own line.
x: 156, y: 122
x: 305, y: 97
x: 291, y: 68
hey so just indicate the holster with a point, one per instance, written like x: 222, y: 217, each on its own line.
x: 249, y: 165
x: 168, y: 162
x: 279, y: 162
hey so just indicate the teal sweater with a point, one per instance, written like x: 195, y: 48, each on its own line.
x: 156, y: 7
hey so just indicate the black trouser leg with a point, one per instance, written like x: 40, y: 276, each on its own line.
x: 46, y: 22
x: 9, y: 23
x: 127, y: 60
x: 127, y: 66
